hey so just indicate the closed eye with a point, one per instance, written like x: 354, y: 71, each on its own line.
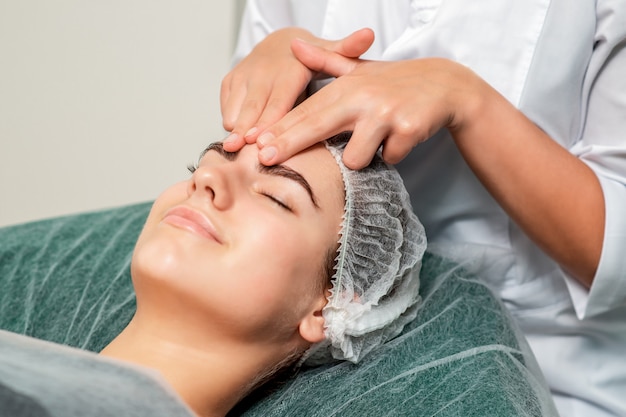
x: 277, y: 201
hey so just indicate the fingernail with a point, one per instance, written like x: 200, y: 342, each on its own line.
x: 265, y: 138
x: 267, y: 154
x: 250, y: 132
x: 231, y: 138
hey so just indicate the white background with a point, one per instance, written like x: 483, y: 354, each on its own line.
x: 104, y: 103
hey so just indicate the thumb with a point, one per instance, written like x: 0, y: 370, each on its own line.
x: 321, y: 60
x: 353, y: 45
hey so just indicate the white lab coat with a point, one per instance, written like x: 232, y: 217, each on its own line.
x: 562, y: 64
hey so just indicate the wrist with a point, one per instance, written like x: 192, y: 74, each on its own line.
x: 474, y: 102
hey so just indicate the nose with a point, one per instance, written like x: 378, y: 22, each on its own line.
x: 210, y: 182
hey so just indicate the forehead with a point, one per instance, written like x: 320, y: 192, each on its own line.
x: 319, y: 167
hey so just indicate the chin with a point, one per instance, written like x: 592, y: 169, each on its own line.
x: 157, y: 256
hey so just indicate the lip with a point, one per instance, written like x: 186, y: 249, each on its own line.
x: 190, y: 219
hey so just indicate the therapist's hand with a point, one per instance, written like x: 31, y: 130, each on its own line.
x: 397, y: 104
x: 266, y: 84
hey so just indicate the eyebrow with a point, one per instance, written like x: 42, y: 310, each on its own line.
x: 275, y: 170
x: 219, y: 148
x: 291, y: 174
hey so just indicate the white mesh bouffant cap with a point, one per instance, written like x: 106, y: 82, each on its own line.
x: 375, y: 287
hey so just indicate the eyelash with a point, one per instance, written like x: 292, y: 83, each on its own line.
x: 276, y: 201
x: 193, y: 167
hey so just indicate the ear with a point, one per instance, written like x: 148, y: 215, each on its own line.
x: 311, y: 327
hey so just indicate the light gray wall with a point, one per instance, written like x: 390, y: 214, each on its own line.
x: 104, y: 103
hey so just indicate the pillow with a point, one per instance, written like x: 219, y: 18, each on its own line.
x: 67, y: 280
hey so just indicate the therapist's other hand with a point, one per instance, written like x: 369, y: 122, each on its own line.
x: 397, y: 104
x: 266, y: 84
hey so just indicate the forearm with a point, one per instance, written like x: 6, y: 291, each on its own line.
x: 551, y: 194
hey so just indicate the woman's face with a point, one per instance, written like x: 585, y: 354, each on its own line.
x: 241, y: 246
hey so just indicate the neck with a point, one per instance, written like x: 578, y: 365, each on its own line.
x: 210, y: 377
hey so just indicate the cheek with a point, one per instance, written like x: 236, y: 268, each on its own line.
x: 275, y: 245
x: 281, y: 258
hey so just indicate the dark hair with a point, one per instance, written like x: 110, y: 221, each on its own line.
x: 328, y: 268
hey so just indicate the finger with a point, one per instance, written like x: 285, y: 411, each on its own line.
x: 276, y: 108
x: 319, y: 59
x: 282, y: 99
x: 409, y: 130
x: 233, y: 142
x: 364, y: 143
x: 228, y: 120
x: 251, y: 108
x: 309, y: 123
x: 396, y: 147
x: 355, y: 44
x: 232, y: 97
x: 224, y: 90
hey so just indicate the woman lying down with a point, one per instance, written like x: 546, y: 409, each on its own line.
x: 240, y: 271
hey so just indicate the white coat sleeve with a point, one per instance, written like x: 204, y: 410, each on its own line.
x: 603, y: 148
